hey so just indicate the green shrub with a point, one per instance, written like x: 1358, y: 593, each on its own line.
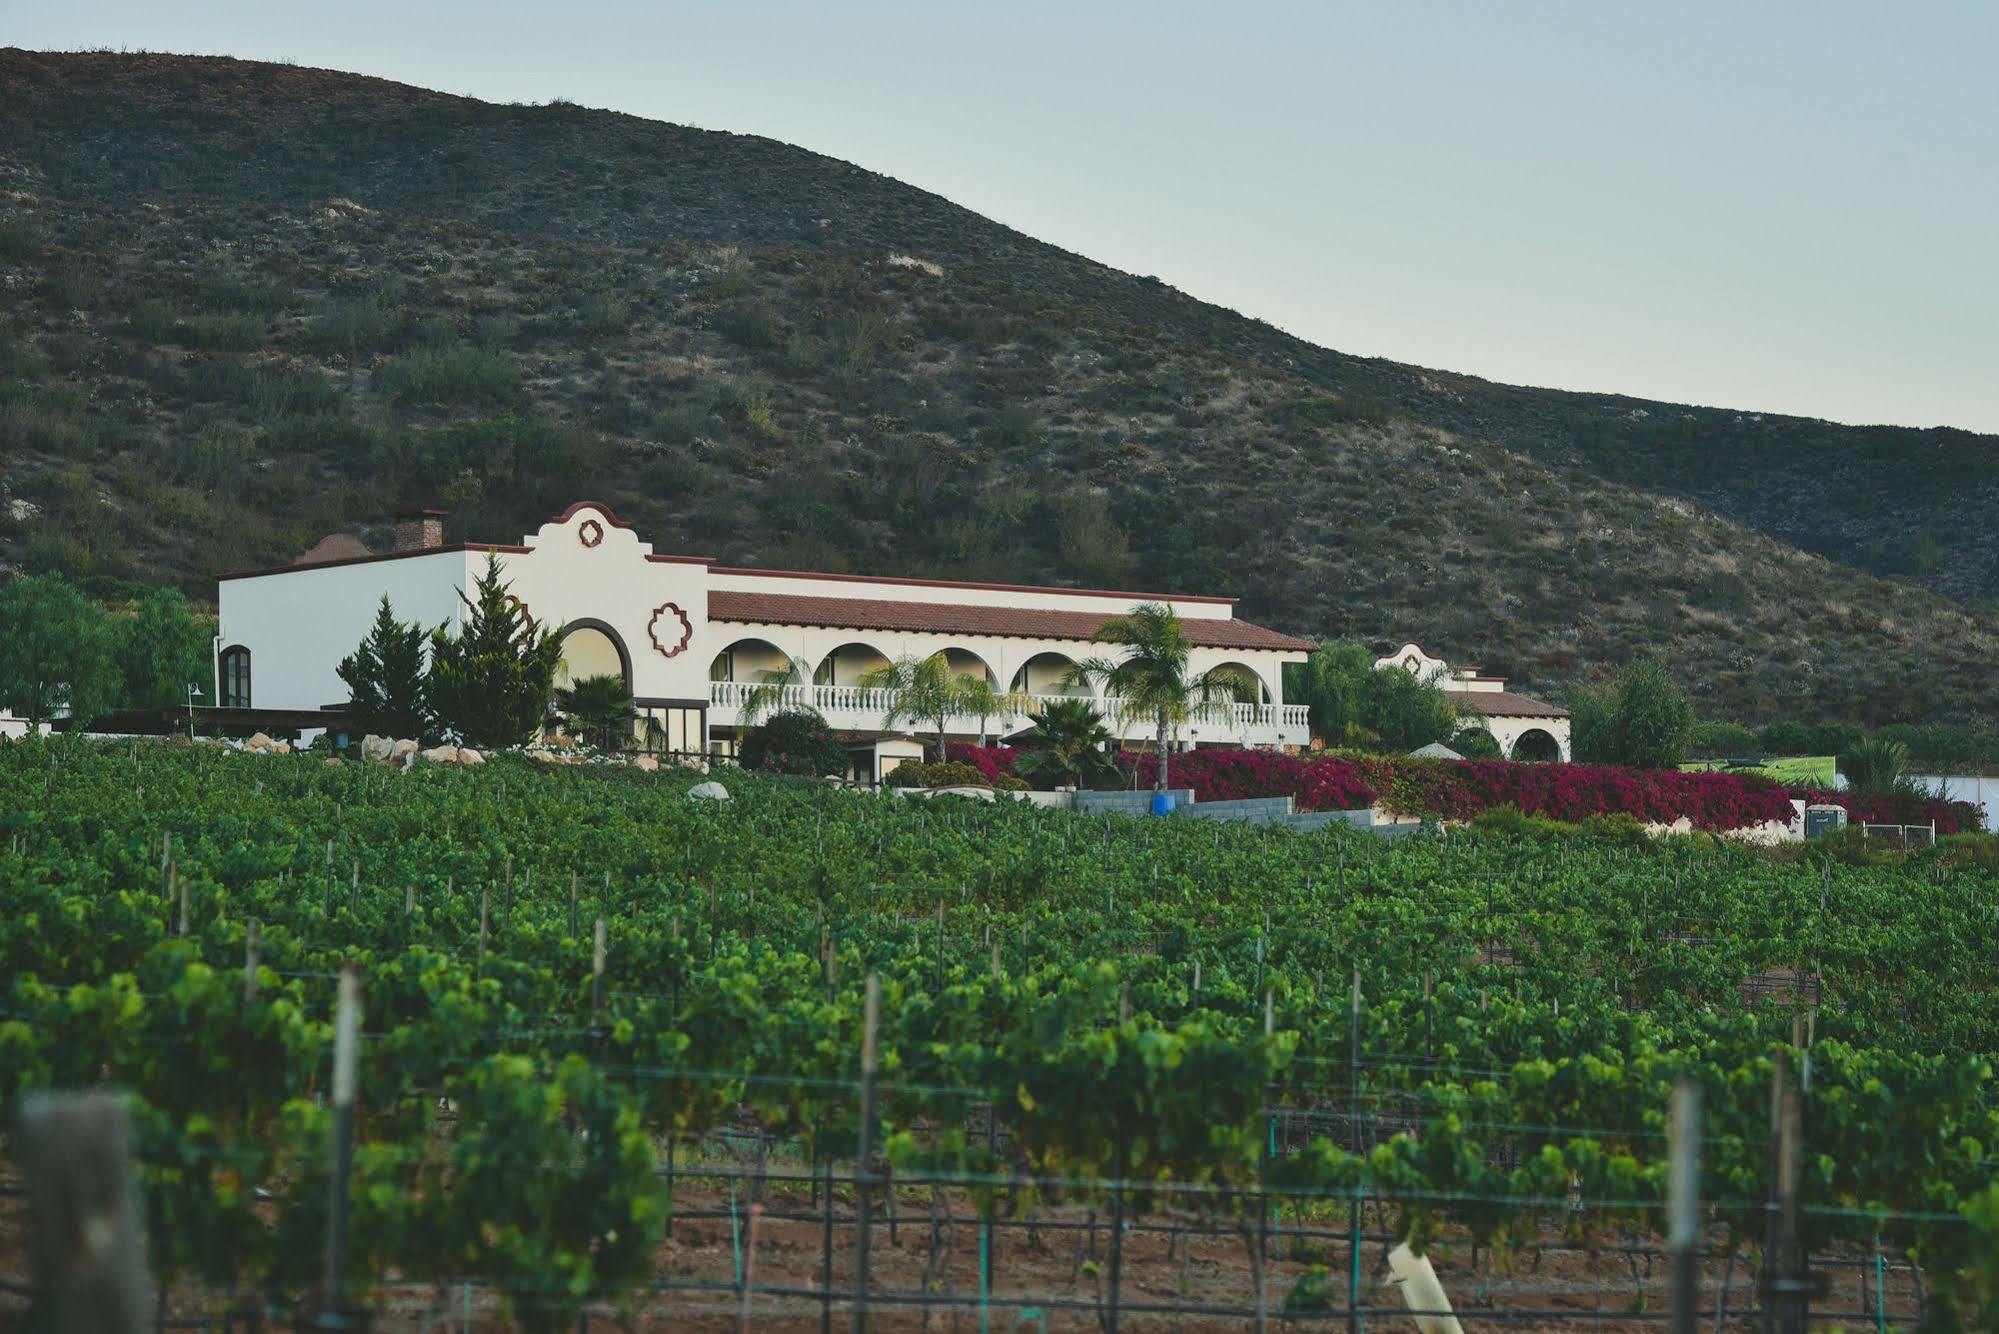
x: 1620, y: 829
x: 1512, y: 822
x: 1012, y: 426
x: 18, y: 242
x: 451, y: 375
x: 279, y: 394
x: 794, y: 741
x: 234, y: 332
x: 600, y: 314
x: 31, y: 426
x: 750, y: 324
x: 354, y: 325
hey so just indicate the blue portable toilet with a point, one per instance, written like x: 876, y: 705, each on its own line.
x: 1162, y: 803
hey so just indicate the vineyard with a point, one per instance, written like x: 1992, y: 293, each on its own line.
x: 1150, y: 1071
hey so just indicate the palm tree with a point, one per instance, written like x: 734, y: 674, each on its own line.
x: 922, y: 690
x: 1152, y: 679
x: 981, y: 699
x: 767, y: 695
x: 598, y: 709
x: 1068, y: 741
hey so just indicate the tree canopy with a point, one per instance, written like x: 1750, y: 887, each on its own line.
x: 490, y: 683
x: 387, y: 691
x: 59, y: 654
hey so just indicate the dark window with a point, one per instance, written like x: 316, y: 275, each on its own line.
x: 236, y: 677
x: 674, y: 730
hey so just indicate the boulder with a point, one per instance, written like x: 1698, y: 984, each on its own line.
x: 261, y: 741
x: 399, y: 749
x: 376, y: 748
x: 649, y: 763
x: 709, y: 791
x: 467, y: 755
x: 278, y: 748
x: 442, y: 754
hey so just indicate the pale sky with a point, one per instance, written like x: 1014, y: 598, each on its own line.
x: 1783, y: 207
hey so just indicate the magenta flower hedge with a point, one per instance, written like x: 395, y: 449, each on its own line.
x: 992, y: 761
x: 1951, y: 817
x: 1460, y: 789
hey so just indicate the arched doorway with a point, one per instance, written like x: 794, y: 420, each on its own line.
x: 592, y: 648
x: 1537, y: 745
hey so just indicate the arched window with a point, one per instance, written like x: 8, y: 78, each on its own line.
x: 235, y: 677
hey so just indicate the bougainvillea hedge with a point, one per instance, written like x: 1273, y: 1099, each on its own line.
x: 1460, y: 789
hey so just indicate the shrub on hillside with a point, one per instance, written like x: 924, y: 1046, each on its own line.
x: 451, y: 375
x: 794, y: 742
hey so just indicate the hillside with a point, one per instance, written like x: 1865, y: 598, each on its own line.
x: 249, y: 304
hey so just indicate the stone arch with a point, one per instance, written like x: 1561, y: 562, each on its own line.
x: 752, y: 661
x: 1538, y: 744
x: 845, y: 664
x: 1250, y: 675
x: 964, y: 662
x: 592, y: 648
x: 1043, y: 674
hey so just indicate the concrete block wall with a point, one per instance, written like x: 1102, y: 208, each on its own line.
x: 1127, y: 803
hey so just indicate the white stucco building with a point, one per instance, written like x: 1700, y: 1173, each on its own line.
x: 1526, y: 729
x: 692, y: 638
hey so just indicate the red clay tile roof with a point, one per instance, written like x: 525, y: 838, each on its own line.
x: 959, y: 619
x: 1504, y: 704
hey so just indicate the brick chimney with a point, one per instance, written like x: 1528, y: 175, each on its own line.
x: 420, y: 530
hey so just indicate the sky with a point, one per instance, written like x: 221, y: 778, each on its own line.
x: 1778, y: 207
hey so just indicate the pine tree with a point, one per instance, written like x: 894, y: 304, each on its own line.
x: 387, y: 692
x: 490, y: 684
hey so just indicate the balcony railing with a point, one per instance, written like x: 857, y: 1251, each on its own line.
x: 1292, y: 721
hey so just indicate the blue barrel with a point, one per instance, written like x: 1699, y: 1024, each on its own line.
x: 1162, y: 803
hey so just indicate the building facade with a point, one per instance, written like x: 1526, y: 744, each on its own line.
x: 698, y: 642
x: 1525, y: 728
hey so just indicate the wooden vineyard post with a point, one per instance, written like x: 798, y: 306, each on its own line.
x: 572, y: 905
x: 863, y: 1159
x: 485, y: 917
x: 75, y: 1158
x: 1683, y: 1188
x: 181, y: 884
x: 1790, y: 1295
x: 354, y: 889
x: 597, y: 949
x: 1353, y: 1214
x: 1261, y: 1259
x: 340, y: 1149
x: 1779, y: 1069
x: 253, y: 948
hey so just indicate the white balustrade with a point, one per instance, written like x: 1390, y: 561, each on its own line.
x: 863, y: 706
